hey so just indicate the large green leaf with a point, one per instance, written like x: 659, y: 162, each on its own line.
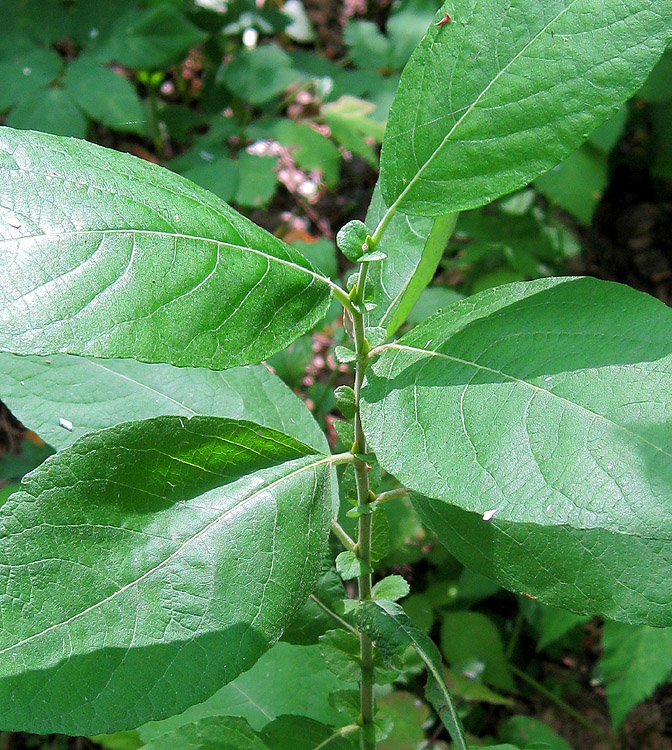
x: 91, y: 394
x: 636, y: 660
x: 536, y: 414
x: 287, y: 679
x: 499, y: 95
x: 414, y: 246
x: 150, y: 563
x: 103, y: 254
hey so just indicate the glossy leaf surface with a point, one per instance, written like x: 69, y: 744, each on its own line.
x: 103, y: 254
x: 499, y: 95
x: 92, y: 394
x: 133, y: 556
x: 536, y: 409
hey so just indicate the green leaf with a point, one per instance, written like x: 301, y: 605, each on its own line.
x: 408, y: 716
x: 92, y: 394
x: 211, y: 168
x: 391, y: 629
x: 414, y: 246
x: 351, y: 239
x: 577, y: 183
x: 212, y: 733
x: 497, y: 397
x: 287, y: 679
x: 431, y: 300
x: 657, y: 88
x: 474, y: 119
x: 140, y: 551
x: 473, y: 690
x: 349, y: 566
x: 103, y: 254
x: 472, y: 644
x: 24, y: 71
x: 257, y: 181
x: 127, y: 740
x: 345, y: 400
x: 635, y: 661
x: 151, y: 39
x: 391, y: 588
x: 105, y: 96
x: 300, y: 733
x: 525, y: 731
x: 340, y: 651
x: 323, y: 610
x: 550, y: 623
x: 310, y: 149
x: 50, y: 111
x: 260, y: 74
x: 321, y: 253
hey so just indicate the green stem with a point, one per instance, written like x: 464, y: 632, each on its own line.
x: 391, y: 494
x: 341, y: 534
x: 560, y: 704
x: 367, y: 707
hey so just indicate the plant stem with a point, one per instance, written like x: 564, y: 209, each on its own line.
x: 340, y: 533
x: 367, y: 708
x: 391, y: 494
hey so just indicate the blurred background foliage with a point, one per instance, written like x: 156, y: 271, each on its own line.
x: 279, y: 108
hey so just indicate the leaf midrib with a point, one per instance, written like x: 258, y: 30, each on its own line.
x: 175, y: 553
x: 175, y: 235
x: 514, y: 379
x: 473, y: 105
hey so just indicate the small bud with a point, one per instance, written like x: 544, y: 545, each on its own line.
x: 351, y: 240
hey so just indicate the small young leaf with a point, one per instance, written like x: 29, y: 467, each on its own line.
x: 391, y: 629
x: 351, y: 239
x: 392, y: 588
x: 340, y: 651
x: 345, y: 400
x: 349, y: 566
x: 344, y: 355
x: 187, y: 535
